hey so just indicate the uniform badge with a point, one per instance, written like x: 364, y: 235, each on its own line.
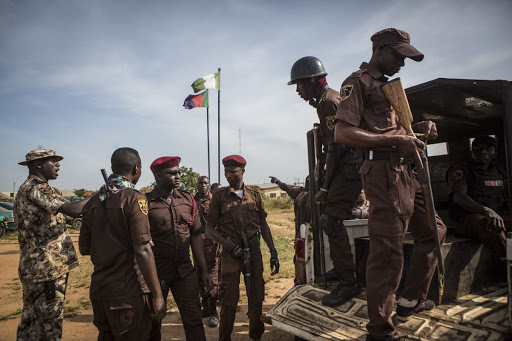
x: 329, y: 121
x: 45, y: 188
x: 143, y: 205
x: 458, y: 174
x: 346, y: 91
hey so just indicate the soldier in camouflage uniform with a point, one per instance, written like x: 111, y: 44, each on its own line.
x: 46, y: 250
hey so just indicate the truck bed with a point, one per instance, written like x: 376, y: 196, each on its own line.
x: 481, y: 316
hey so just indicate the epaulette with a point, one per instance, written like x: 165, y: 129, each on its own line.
x: 253, y: 188
x: 357, y: 74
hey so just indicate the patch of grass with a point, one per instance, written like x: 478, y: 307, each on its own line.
x: 75, y: 307
x: 11, y: 316
x: 14, y: 287
x: 10, y: 235
x: 275, y: 205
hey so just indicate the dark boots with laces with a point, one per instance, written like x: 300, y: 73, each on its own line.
x: 214, y: 316
x: 346, y: 289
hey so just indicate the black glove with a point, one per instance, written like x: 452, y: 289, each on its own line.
x: 274, y: 262
x: 234, y: 249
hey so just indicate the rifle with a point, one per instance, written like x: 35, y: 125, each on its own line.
x: 104, y: 173
x: 314, y: 187
x: 236, y: 214
x: 395, y: 94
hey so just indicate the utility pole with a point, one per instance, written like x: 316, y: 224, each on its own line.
x: 240, y: 141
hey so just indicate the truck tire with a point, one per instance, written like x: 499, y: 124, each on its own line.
x: 77, y: 223
x: 2, y: 229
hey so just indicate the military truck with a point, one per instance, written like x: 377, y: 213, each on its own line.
x: 477, y: 290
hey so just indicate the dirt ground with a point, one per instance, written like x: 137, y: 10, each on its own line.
x: 80, y: 327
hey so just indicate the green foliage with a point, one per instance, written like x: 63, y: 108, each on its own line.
x: 189, y: 179
x: 276, y: 204
x: 80, y: 192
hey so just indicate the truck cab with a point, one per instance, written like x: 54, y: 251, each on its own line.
x: 474, y: 305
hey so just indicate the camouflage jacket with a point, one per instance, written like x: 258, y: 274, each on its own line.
x: 46, y: 249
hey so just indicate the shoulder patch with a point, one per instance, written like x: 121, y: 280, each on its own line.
x: 458, y: 174
x: 143, y: 205
x: 45, y: 188
x: 346, y: 91
x: 329, y: 121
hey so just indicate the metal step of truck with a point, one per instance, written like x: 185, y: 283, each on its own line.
x: 469, y: 318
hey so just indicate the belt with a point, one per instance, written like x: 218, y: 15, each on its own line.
x: 383, y: 155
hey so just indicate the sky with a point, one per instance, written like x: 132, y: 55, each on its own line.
x: 87, y: 77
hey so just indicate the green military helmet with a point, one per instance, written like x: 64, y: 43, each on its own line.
x: 306, y: 67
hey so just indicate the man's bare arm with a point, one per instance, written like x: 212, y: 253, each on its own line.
x: 74, y: 209
x: 196, y: 242
x: 214, y: 235
x: 360, y: 138
x: 146, y: 262
x: 467, y: 203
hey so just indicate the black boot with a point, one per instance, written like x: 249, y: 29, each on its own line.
x: 214, y: 316
x: 346, y: 289
x: 205, y: 312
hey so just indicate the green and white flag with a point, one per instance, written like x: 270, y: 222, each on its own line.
x: 211, y: 81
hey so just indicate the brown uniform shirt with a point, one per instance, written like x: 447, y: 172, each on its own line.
x: 326, y: 110
x: 364, y: 105
x: 171, y: 227
x: 108, y: 233
x: 46, y: 250
x: 301, y: 207
x: 203, y: 205
x: 252, y: 207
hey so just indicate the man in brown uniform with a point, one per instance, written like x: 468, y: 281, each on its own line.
x: 203, y: 198
x: 365, y: 119
x: 238, y: 212
x: 302, y: 211
x: 478, y: 197
x: 46, y: 250
x: 115, y: 232
x: 342, y: 183
x: 175, y: 227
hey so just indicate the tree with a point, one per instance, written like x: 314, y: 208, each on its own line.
x: 80, y: 192
x: 188, y: 180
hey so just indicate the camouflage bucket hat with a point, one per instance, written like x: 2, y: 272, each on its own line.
x: 39, y: 154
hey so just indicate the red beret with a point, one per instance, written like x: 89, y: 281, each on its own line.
x: 234, y: 160
x: 165, y: 162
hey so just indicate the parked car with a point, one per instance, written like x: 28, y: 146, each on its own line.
x: 6, y: 217
x: 75, y: 223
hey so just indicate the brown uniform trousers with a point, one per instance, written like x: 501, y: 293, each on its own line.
x: 231, y: 268
x: 396, y: 205
x: 341, y: 198
x: 184, y: 291
x: 127, y: 319
x: 475, y: 225
x: 42, y: 315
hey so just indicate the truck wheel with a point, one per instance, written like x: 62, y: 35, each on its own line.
x: 2, y: 230
x: 77, y: 223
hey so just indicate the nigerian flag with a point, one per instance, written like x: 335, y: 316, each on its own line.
x: 211, y: 81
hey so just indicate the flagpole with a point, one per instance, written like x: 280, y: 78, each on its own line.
x: 208, y: 134
x: 218, y: 132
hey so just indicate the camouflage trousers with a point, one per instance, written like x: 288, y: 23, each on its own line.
x: 42, y: 314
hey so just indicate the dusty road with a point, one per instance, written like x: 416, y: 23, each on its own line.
x: 80, y: 327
